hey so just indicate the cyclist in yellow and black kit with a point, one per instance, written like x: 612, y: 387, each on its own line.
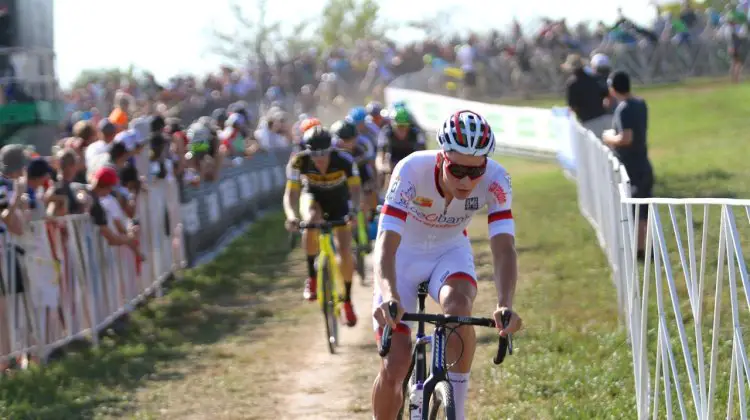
x: 328, y: 182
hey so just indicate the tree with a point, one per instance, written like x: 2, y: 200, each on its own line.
x: 345, y: 21
x: 434, y: 27
x: 341, y: 23
x: 101, y: 75
x: 296, y: 41
x: 250, y: 37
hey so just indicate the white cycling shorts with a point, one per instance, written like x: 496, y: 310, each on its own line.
x: 413, y: 268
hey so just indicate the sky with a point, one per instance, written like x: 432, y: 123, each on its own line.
x: 168, y: 37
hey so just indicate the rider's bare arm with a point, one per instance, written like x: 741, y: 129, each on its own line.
x: 292, y: 191
x: 386, y: 246
x: 353, y: 180
x: 502, y: 238
x: 506, y: 269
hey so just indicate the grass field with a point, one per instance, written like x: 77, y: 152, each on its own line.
x: 571, y: 362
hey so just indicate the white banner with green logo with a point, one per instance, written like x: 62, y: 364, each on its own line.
x: 524, y: 129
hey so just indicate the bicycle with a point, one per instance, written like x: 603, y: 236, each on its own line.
x: 418, y: 391
x: 330, y: 283
x: 361, y: 245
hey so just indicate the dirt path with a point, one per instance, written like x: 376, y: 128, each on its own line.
x: 275, y: 367
x: 332, y: 386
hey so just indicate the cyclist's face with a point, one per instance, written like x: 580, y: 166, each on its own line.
x: 461, y: 188
x: 321, y: 160
x: 348, y: 144
x: 401, y: 130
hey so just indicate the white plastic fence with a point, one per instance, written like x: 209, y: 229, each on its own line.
x: 686, y: 309
x: 75, y: 284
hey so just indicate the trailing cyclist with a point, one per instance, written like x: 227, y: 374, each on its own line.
x: 329, y: 182
x: 396, y: 141
x: 375, y: 114
x: 358, y: 117
x: 431, y: 200
x: 402, y: 105
x: 346, y: 138
x: 301, y: 127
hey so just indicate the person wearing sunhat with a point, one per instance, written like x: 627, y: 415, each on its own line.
x: 601, y: 68
x: 585, y: 95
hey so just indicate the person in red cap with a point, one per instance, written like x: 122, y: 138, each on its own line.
x: 103, y: 180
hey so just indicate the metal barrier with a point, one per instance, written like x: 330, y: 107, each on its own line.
x: 73, y: 283
x: 695, y: 373
x: 211, y: 209
x: 647, y: 64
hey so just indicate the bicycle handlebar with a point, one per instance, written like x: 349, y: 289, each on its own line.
x: 323, y: 225
x: 505, y: 344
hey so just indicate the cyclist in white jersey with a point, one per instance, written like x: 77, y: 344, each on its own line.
x: 431, y: 199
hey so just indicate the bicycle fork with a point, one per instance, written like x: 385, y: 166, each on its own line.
x: 416, y: 390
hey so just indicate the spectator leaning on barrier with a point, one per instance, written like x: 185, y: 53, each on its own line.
x: 38, y: 174
x: 103, y: 181
x: 585, y: 96
x: 12, y: 163
x: 628, y: 140
x: 61, y: 200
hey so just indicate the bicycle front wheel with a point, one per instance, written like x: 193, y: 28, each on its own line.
x: 361, y: 265
x: 442, y: 404
x: 329, y: 305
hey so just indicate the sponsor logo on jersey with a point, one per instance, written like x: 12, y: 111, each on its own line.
x: 438, y: 220
x: 395, y: 183
x: 330, y: 179
x: 498, y: 192
x: 471, y: 203
x: 423, y: 201
x: 408, y: 194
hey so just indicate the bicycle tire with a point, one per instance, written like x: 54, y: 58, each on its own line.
x: 292, y: 240
x: 329, y: 313
x: 408, y: 382
x: 442, y: 402
x: 361, y: 265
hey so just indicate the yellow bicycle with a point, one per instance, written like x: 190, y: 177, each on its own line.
x: 361, y: 245
x: 330, y: 281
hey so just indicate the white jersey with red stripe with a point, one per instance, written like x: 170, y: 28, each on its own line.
x: 415, y: 206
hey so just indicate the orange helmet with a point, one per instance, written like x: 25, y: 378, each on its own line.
x: 309, y: 123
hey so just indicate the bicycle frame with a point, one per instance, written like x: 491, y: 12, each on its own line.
x: 362, y: 228
x: 438, y: 372
x: 328, y: 254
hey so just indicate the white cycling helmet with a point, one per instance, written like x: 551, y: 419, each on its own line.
x: 468, y: 133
